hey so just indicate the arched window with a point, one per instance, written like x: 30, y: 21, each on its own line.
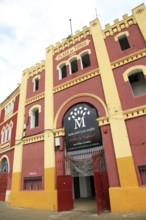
x: 73, y: 65
x: 4, y: 165
x: 10, y: 131
x: 34, y: 117
x: 6, y: 133
x: 3, y: 136
x: 62, y: 71
x: 123, y: 41
x: 6, y: 110
x: 12, y: 105
x: 137, y: 82
x: 85, y: 60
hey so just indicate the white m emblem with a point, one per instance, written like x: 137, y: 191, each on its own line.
x: 78, y: 115
x: 79, y: 123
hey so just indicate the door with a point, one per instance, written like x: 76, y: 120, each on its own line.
x: 3, y: 185
x: 64, y: 190
x: 76, y: 187
x: 101, y: 183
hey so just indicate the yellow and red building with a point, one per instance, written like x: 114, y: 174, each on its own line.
x: 78, y: 119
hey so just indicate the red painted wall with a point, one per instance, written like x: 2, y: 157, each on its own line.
x: 16, y: 103
x: 136, y: 128
x: 110, y: 156
x: 135, y: 39
x: 33, y: 160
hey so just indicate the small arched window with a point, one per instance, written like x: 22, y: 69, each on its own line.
x: 85, y: 60
x: 137, y: 82
x: 123, y: 41
x: 73, y: 65
x: 36, y: 84
x: 3, y: 136
x: 4, y: 165
x: 10, y: 131
x: 34, y: 118
x: 62, y: 71
x: 6, y: 133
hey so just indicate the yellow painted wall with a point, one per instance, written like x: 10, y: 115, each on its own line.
x: 128, y: 176
x: 16, y: 181
x: 34, y: 199
x: 126, y: 199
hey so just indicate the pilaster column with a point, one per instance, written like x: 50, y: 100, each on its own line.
x: 122, y: 148
x: 49, y: 148
x: 17, y: 164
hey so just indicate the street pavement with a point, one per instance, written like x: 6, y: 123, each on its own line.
x: 17, y: 213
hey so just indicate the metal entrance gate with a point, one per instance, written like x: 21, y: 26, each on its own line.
x: 64, y: 182
x: 3, y: 185
x: 64, y: 185
x: 101, y: 182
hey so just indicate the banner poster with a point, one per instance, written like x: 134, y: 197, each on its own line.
x: 81, y: 128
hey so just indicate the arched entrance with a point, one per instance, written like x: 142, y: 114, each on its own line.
x: 81, y: 173
x: 3, y: 178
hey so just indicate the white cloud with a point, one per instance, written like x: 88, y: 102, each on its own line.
x: 28, y: 27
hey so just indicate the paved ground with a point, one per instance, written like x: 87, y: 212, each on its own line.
x: 17, y: 213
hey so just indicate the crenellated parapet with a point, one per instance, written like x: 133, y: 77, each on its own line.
x: 34, y: 70
x: 127, y: 21
x: 71, y: 40
x: 118, y: 26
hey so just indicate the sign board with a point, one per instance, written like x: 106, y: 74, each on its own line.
x: 81, y: 128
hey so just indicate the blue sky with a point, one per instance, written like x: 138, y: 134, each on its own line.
x: 27, y: 27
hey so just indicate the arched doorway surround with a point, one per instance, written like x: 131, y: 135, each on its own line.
x: 81, y: 97
x: 87, y: 155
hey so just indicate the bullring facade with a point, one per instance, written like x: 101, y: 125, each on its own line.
x: 76, y: 126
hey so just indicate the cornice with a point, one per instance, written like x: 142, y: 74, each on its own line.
x: 76, y: 80
x: 32, y: 139
x: 127, y: 114
x: 6, y: 150
x: 134, y: 112
x: 8, y: 117
x: 5, y: 147
x: 103, y: 121
x: 59, y: 132
x: 35, y: 98
x: 128, y: 59
x: 40, y: 137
